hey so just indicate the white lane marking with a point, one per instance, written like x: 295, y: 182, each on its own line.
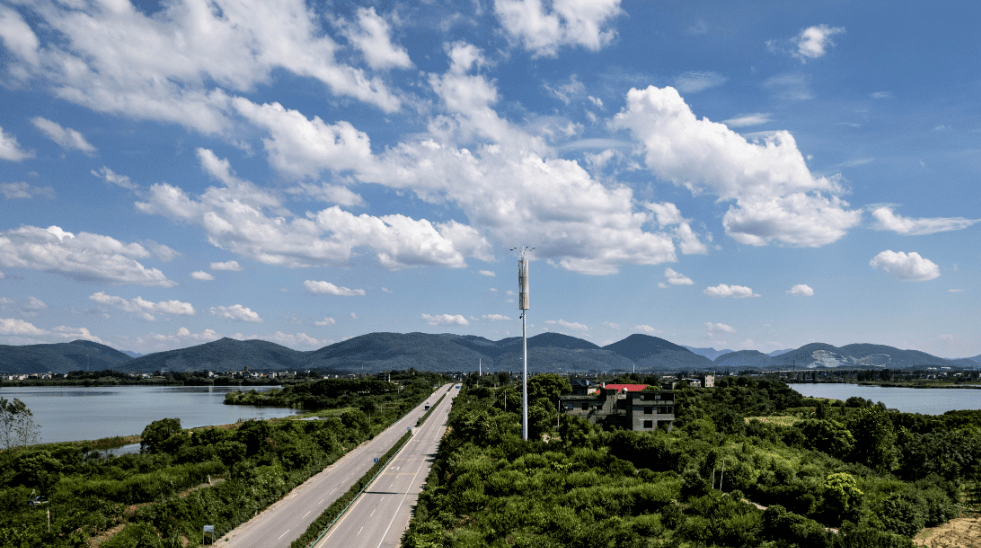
x: 284, y: 534
x: 322, y: 500
x: 372, y: 513
x: 359, y: 531
x: 307, y: 514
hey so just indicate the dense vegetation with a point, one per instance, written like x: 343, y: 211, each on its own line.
x: 181, y: 480
x: 846, y: 474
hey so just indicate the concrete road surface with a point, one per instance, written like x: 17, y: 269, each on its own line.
x: 380, y: 516
x: 287, y: 519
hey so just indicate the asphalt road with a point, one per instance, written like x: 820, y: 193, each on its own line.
x: 382, y: 513
x: 281, y: 523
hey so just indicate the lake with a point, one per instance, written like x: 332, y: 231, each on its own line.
x: 73, y: 413
x: 928, y: 401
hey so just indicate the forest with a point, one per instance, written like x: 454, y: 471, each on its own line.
x: 750, y: 463
x: 181, y: 479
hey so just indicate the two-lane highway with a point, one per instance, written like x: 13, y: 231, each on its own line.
x: 287, y: 519
x: 380, y: 516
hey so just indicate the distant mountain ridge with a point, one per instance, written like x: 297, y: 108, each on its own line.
x: 376, y: 352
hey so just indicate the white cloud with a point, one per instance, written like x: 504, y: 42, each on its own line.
x: 294, y: 340
x: 790, y: 86
x: 353, y: 316
x: 144, y: 308
x: 730, y: 291
x: 13, y: 326
x: 568, y: 325
x: 22, y: 190
x: 717, y: 328
x: 373, y: 38
x: 908, y: 267
x: 227, y: 265
x: 181, y: 63
x: 487, y: 273
x: 33, y: 306
x: 245, y: 219
x: 17, y: 36
x: 882, y: 95
x: 327, y: 288
x: 887, y: 220
x: 152, y: 342
x: 647, y: 329
x: 445, y: 319
x: 236, y: 312
x: 386, y: 290
x: 110, y: 176
x: 612, y: 325
x: 325, y: 322
x: 777, y: 199
x: 82, y: 256
x: 202, y: 276
x: 331, y: 194
x: 745, y: 120
x: 675, y: 278
x: 75, y: 333
x: 801, y: 290
x: 66, y: 138
x: 568, y: 23
x: 955, y: 290
x: 9, y: 148
x: 693, y: 82
x: 495, y: 317
x: 813, y: 41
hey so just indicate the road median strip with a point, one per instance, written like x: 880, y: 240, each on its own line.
x: 329, y: 517
x: 423, y: 418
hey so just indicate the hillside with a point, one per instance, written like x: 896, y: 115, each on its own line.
x: 60, y: 358
x: 709, y: 353
x: 744, y: 358
x: 221, y: 355
x: 857, y: 355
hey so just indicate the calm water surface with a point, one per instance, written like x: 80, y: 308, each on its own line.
x: 928, y: 401
x: 79, y: 413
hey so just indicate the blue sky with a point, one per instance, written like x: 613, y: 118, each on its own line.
x: 745, y: 175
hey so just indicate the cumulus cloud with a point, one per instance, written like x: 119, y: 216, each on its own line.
x: 543, y: 29
x: 247, y: 220
x: 908, y: 267
x: 777, y: 198
x: 24, y: 191
x: 227, y: 265
x: 9, y: 147
x: 66, y: 138
x: 717, y: 328
x: 675, y: 278
x: 814, y: 41
x: 612, y: 325
x: 294, y: 340
x: 111, y: 176
x: 327, y: 288
x: 647, y: 329
x: 331, y: 194
x: 495, y: 317
x: 693, y: 82
x: 568, y: 325
x: 730, y: 291
x: 487, y: 273
x: 152, y: 342
x: 26, y: 332
x: 182, y: 63
x: 82, y: 256
x: 801, y: 290
x: 888, y: 220
x: 325, y: 322
x: 236, y: 312
x: 143, y: 308
x: 373, y: 37
x: 33, y: 306
x: 445, y: 319
x: 202, y: 276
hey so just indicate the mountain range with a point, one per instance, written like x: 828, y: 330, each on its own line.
x: 376, y: 352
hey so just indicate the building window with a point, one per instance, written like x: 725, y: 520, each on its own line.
x: 585, y: 406
x: 648, y: 410
x: 648, y: 424
x: 569, y: 406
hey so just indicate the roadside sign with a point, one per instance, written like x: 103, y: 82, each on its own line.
x: 209, y: 528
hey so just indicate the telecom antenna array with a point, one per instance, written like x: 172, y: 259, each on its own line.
x: 523, y: 306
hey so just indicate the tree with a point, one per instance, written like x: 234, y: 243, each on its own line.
x: 17, y: 425
x: 157, y: 436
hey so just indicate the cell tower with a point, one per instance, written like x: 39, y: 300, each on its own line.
x: 523, y: 306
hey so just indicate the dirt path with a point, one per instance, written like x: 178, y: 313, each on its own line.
x: 956, y: 533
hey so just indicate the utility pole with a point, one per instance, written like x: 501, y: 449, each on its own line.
x: 523, y: 306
